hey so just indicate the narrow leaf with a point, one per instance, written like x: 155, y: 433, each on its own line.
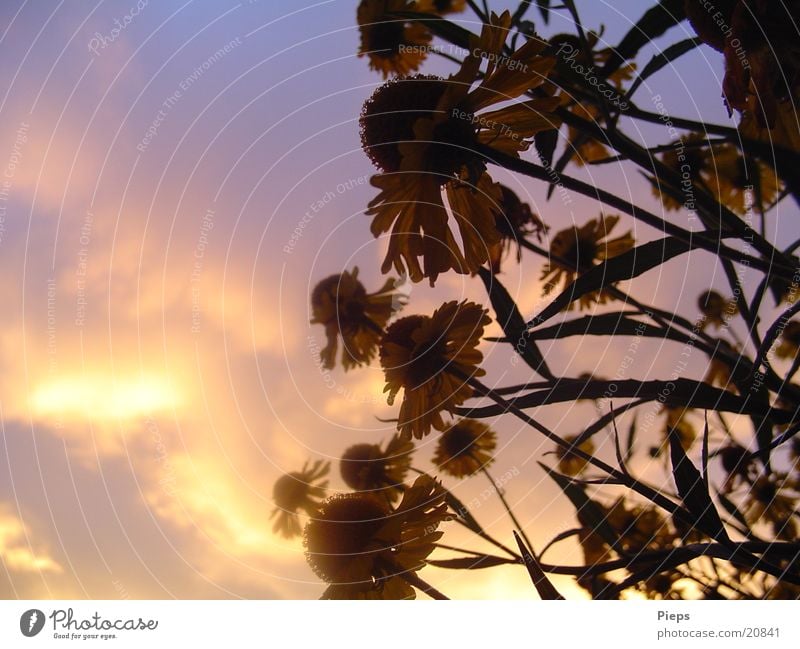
x: 589, y: 512
x: 470, y: 563
x: 652, y: 24
x: 692, y: 490
x: 513, y: 324
x: 625, y: 266
x: 543, y: 585
x: 662, y: 59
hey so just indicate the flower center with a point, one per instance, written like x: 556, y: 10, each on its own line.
x: 341, y: 533
x: 362, y: 467
x: 388, y: 119
x: 386, y: 37
x: 427, y: 360
x: 458, y: 441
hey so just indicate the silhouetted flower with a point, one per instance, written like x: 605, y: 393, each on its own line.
x: 295, y: 492
x: 716, y: 309
x: 393, y: 45
x: 514, y: 222
x: 760, y: 46
x: 422, y: 133
x: 576, y: 250
x: 569, y: 462
x: 427, y: 357
x: 790, y: 340
x: 368, y: 467
x: 767, y: 502
x: 737, y: 463
x: 464, y: 448
x: 361, y: 546
x: 342, y: 304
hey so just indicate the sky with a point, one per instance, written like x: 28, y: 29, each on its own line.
x: 159, y: 371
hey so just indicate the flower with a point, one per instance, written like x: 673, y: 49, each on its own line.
x: 741, y: 183
x: 575, y: 250
x: 422, y: 133
x: 394, y: 46
x: 737, y: 182
x: 737, y: 462
x: 342, y: 304
x: 368, y: 467
x: 465, y: 447
x: 790, y: 341
x: 514, y: 222
x: 768, y: 502
x: 296, y: 491
x: 688, y: 157
x: 429, y: 358
x: 759, y: 43
x: 676, y: 420
x: 569, y: 463
x: 361, y: 546
x: 715, y: 308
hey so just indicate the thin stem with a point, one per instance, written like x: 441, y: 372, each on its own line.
x: 417, y: 582
x: 508, y: 509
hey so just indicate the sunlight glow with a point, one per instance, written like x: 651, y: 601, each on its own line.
x: 101, y: 398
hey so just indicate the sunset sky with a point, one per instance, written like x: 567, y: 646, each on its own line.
x: 159, y: 370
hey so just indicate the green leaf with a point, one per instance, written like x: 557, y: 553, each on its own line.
x: 625, y: 266
x: 662, y: 59
x: 694, y: 492
x: 589, y: 512
x: 513, y: 324
x: 542, y: 584
x: 470, y: 563
x: 652, y: 24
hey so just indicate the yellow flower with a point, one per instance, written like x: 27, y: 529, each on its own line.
x: 346, y: 310
x: 422, y: 133
x: 767, y: 501
x: 427, y: 357
x: 790, y: 341
x: 575, y: 250
x: 741, y: 183
x: 514, y: 222
x: 368, y: 467
x: 716, y: 309
x: 362, y: 547
x: 296, y: 491
x: 394, y: 46
x: 464, y: 448
x: 568, y: 462
x: 738, y: 183
x: 689, y: 158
